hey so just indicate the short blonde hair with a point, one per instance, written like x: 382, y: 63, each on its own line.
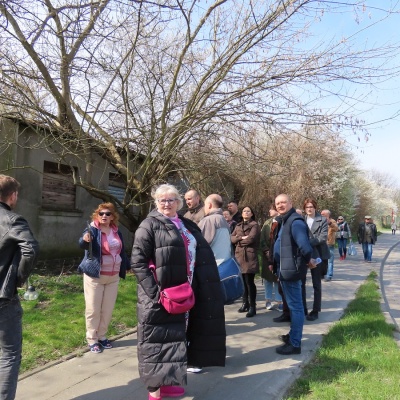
x: 167, y: 189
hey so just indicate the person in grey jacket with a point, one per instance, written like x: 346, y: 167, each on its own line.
x: 215, y: 229
x: 168, y: 342
x: 18, y: 253
x: 318, y: 231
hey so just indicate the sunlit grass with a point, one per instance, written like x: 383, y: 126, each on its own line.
x: 54, y: 325
x: 358, y: 359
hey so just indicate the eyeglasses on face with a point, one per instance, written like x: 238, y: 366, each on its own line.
x: 340, y: 219
x: 165, y: 201
x: 107, y: 213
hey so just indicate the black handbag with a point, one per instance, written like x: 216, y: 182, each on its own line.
x: 90, y: 265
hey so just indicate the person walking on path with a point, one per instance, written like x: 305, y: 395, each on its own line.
x: 18, y: 254
x: 367, y: 235
x: 394, y: 228
x: 167, y: 342
x: 101, y: 291
x: 292, y: 254
x: 332, y: 229
x: 246, y: 238
x: 342, y: 236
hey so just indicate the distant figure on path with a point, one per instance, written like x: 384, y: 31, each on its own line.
x: 332, y: 229
x: 394, y: 228
x: 342, y: 236
x: 367, y: 235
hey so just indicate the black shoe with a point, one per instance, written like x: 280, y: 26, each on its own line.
x: 282, y: 318
x: 312, y: 316
x: 252, y: 312
x: 285, y: 338
x: 287, y: 349
x: 244, y: 308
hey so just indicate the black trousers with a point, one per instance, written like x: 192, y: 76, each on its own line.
x: 317, y: 286
x: 250, y: 290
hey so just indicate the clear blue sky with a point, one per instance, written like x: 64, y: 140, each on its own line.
x: 382, y: 151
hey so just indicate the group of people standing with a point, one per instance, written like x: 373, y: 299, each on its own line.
x: 169, y: 250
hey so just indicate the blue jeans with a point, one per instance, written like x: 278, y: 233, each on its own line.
x: 10, y: 346
x: 272, y: 287
x: 342, y: 245
x: 292, y: 293
x: 329, y: 274
x: 367, y: 250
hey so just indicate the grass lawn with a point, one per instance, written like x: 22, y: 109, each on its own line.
x: 358, y: 359
x: 54, y: 325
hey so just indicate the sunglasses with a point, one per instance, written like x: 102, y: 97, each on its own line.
x: 101, y: 213
x: 340, y: 219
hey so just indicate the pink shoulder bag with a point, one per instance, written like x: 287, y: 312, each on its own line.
x: 175, y: 299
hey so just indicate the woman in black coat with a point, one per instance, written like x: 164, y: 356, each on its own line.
x: 167, y: 342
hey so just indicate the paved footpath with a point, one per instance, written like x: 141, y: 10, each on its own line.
x: 253, y: 369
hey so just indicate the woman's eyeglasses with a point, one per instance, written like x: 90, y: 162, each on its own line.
x: 101, y: 213
x: 165, y: 201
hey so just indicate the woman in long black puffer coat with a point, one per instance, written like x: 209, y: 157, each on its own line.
x: 167, y: 342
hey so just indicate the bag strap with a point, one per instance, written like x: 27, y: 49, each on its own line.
x: 152, y: 266
x: 90, y: 250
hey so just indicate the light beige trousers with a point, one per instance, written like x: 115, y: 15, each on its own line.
x: 100, y: 296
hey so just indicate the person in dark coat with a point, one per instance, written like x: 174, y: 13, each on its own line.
x: 271, y: 284
x: 318, y: 233
x: 168, y: 342
x: 246, y: 238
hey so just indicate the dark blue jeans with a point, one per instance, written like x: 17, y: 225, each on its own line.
x: 293, y: 296
x: 342, y: 245
x: 367, y: 250
x: 10, y: 346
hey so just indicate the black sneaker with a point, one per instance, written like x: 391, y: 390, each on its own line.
x: 312, y: 316
x: 282, y: 318
x: 285, y: 338
x: 287, y: 349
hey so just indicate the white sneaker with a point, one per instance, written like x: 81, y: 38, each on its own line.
x: 268, y: 305
x: 194, y: 370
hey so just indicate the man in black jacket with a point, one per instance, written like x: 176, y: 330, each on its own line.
x: 18, y: 250
x: 367, y: 235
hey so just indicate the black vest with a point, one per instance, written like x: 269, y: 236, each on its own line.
x: 293, y: 266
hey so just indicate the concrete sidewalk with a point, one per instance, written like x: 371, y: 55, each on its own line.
x: 253, y: 369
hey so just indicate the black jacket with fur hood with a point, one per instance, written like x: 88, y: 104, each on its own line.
x: 164, y: 345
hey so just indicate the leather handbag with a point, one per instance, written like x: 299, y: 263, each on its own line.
x: 175, y: 299
x: 90, y: 265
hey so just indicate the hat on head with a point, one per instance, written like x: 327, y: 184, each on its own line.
x: 340, y: 217
x: 367, y: 217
